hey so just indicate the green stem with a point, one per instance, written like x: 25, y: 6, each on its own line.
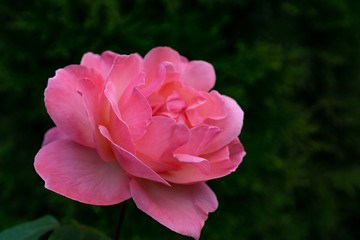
x: 120, y: 220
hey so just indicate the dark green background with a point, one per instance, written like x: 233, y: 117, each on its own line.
x: 293, y: 66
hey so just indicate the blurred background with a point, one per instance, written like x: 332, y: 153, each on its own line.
x: 293, y: 66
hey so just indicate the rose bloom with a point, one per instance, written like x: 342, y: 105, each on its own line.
x: 141, y: 128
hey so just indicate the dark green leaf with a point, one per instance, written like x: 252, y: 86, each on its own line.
x: 77, y: 232
x: 30, y: 230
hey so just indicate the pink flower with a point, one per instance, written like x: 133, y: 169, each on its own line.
x: 147, y: 129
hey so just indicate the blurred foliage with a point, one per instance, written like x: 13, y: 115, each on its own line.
x: 47, y: 227
x: 293, y: 66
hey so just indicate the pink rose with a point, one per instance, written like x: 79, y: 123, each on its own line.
x: 147, y: 129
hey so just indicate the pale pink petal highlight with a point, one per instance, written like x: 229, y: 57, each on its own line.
x: 199, y: 75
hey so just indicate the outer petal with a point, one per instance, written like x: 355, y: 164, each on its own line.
x: 182, y: 208
x: 77, y: 172
x: 52, y: 135
x: 65, y: 105
x: 221, y: 166
x: 200, y: 75
x: 109, y: 57
x: 100, y: 64
x: 124, y: 71
x: 159, y: 55
x: 230, y: 126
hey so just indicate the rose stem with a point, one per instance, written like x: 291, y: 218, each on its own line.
x: 120, y: 220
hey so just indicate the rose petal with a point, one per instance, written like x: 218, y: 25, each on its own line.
x: 52, y: 135
x: 65, y: 105
x: 190, y: 95
x: 163, y: 136
x: 124, y: 71
x: 130, y: 117
x: 221, y: 166
x: 135, y: 111
x: 182, y: 208
x: 200, y: 137
x: 101, y: 64
x: 121, y: 134
x: 237, y: 152
x: 201, y: 163
x: 212, y: 108
x: 109, y: 56
x: 158, y: 55
x: 221, y: 163
x: 77, y: 172
x: 230, y: 126
x: 91, y: 96
x: 175, y: 103
x: 98, y: 108
x: 199, y: 75
x: 151, y: 85
x: 131, y: 163
x: 169, y: 58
